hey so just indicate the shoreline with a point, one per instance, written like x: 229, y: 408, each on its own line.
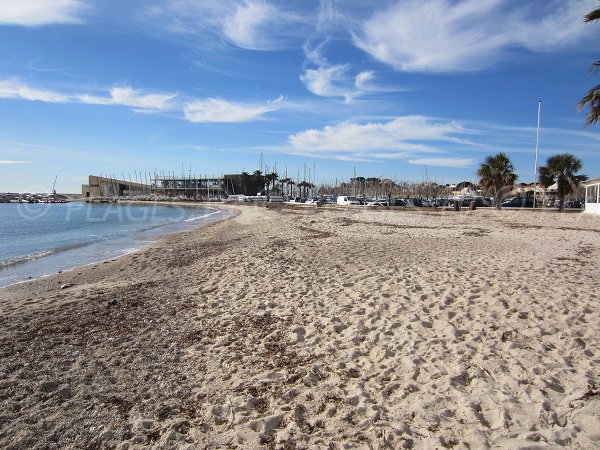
x: 302, y: 328
x: 143, y: 242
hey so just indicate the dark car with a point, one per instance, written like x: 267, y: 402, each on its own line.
x: 479, y: 202
x: 397, y: 202
x: 518, y: 202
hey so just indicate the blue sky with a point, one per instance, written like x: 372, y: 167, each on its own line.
x: 397, y: 89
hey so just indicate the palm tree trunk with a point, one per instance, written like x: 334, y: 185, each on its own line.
x: 497, y: 202
x: 561, y: 205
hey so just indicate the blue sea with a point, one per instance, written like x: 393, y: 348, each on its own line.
x: 39, y: 239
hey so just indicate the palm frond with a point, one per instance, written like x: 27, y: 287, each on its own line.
x: 592, y: 16
x: 592, y: 98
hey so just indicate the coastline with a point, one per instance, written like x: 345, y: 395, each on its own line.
x: 298, y: 327
x: 145, y: 237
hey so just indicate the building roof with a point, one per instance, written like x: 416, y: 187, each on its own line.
x: 591, y: 181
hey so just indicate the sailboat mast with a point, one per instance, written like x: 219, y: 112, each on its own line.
x: 537, y: 142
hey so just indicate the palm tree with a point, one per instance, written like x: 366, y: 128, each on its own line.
x: 268, y: 179
x: 495, y: 175
x: 260, y: 180
x: 301, y: 185
x: 560, y: 169
x: 273, y: 177
x: 245, y: 178
x: 593, y: 96
x: 305, y: 186
x: 285, y: 182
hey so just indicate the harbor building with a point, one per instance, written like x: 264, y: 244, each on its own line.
x: 112, y: 187
x: 196, y: 188
x: 592, y: 196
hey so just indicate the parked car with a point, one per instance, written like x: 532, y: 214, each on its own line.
x: 347, y: 200
x: 573, y: 204
x: 518, y: 202
x: 397, y: 202
x: 480, y: 202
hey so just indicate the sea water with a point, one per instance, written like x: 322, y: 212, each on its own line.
x: 39, y: 239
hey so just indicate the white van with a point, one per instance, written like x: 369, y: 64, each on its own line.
x: 345, y: 200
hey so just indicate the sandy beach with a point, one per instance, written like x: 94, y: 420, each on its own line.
x: 297, y: 328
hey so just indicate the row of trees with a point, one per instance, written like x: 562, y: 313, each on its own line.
x: 271, y: 183
x: 497, y: 175
x: 496, y: 178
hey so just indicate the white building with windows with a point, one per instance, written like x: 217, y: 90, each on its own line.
x: 592, y: 196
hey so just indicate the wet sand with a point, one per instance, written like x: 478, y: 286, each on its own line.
x: 316, y: 328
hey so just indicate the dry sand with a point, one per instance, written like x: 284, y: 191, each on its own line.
x: 316, y: 328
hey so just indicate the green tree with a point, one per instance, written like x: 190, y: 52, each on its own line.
x: 273, y: 177
x: 496, y: 174
x: 304, y: 187
x: 260, y: 180
x: 245, y: 178
x: 561, y: 169
x: 268, y: 179
x: 592, y: 99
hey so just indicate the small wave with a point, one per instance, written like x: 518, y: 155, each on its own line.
x: 204, y: 216
x: 24, y: 259
x: 28, y: 258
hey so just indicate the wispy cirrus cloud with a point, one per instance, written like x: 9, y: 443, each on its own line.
x: 457, y: 163
x: 220, y: 110
x: 248, y: 24
x: 195, y: 110
x: 467, y: 35
x: 334, y: 80
x: 118, y: 96
x: 32, y: 13
x: 13, y: 88
x: 127, y: 96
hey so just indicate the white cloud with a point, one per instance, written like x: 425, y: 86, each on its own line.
x: 220, y: 110
x: 459, y: 163
x: 328, y: 82
x: 33, y: 13
x: 248, y: 24
x: 119, y: 96
x: 336, y: 80
x: 387, y: 140
x: 127, y: 96
x: 12, y: 88
x: 362, y: 80
x: 246, y: 27
x: 467, y: 35
x: 5, y: 161
x: 197, y: 111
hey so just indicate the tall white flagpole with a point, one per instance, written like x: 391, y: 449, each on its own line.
x: 537, y: 143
